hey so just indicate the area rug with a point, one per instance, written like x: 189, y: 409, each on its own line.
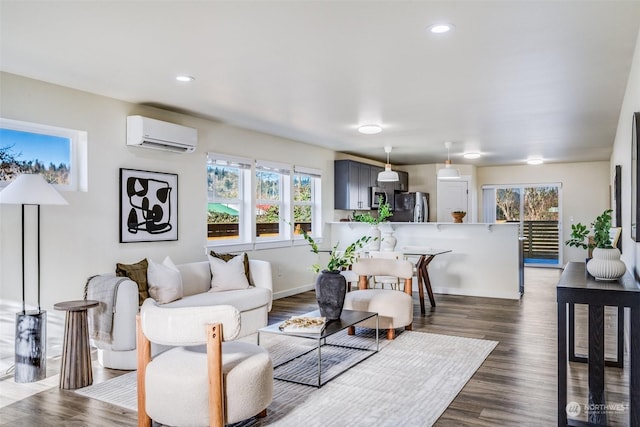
x: 411, y: 381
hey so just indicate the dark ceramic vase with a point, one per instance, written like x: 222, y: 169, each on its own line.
x: 331, y: 288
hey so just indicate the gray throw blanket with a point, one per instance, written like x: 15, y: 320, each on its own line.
x: 103, y: 289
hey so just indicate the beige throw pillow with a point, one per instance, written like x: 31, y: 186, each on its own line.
x: 165, y: 281
x: 227, y: 257
x: 227, y: 275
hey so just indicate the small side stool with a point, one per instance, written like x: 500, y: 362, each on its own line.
x: 75, y: 368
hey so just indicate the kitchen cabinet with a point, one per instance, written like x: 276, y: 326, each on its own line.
x: 352, y: 181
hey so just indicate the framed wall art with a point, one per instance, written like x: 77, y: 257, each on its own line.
x: 148, y: 206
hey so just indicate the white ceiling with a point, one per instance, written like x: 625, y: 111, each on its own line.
x: 515, y: 78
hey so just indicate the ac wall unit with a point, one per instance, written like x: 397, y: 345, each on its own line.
x: 158, y: 135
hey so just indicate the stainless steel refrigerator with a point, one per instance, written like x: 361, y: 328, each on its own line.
x: 411, y: 207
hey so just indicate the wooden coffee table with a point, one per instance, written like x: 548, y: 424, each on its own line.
x: 314, y: 355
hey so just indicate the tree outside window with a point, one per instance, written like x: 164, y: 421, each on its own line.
x: 302, y: 203
x: 29, y: 152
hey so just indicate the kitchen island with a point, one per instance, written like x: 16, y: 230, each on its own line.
x: 485, y: 259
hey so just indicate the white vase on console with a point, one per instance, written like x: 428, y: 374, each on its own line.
x: 606, y: 264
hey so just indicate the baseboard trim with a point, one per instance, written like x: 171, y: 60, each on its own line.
x: 294, y: 291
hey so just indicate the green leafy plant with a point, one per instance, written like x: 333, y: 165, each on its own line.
x: 384, y: 212
x: 600, y: 227
x: 337, y: 259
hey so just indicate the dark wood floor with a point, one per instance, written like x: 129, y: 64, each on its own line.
x: 516, y: 386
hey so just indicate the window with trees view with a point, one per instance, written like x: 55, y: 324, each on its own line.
x: 536, y: 208
x: 54, y: 153
x: 303, y: 203
x: 272, y: 188
x: 269, y: 198
x: 226, y: 181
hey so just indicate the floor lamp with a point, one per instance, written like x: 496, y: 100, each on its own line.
x: 31, y: 326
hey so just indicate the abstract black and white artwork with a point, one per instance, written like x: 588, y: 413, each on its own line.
x: 148, y: 206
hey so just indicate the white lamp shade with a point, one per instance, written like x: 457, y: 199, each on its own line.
x: 448, y: 173
x: 30, y: 189
x: 387, y: 175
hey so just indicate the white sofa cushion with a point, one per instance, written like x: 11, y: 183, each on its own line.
x: 228, y: 275
x: 242, y: 299
x: 165, y: 281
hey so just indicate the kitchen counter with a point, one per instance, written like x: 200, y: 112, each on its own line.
x: 485, y: 261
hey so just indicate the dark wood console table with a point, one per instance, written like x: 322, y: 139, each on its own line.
x: 575, y: 287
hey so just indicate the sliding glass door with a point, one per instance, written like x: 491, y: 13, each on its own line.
x: 536, y: 208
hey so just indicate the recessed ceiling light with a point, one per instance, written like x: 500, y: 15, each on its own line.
x: 441, y: 28
x: 185, y: 78
x: 535, y: 161
x: 472, y: 155
x: 370, y: 129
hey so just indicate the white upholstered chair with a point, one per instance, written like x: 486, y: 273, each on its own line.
x: 204, y: 379
x: 394, y: 308
x: 392, y: 281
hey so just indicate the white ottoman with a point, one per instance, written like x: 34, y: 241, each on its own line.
x: 178, y: 379
x: 394, y: 308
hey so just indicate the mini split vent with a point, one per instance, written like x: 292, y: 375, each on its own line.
x: 158, y: 135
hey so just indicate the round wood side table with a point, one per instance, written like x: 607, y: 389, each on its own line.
x: 75, y: 368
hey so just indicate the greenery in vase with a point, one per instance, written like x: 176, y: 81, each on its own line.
x: 601, y: 238
x: 337, y: 259
x: 384, y: 212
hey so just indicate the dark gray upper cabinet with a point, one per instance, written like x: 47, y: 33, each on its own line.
x: 351, y: 185
x: 353, y: 180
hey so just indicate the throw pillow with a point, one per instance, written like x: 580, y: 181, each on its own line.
x: 227, y: 275
x: 138, y: 273
x: 227, y: 257
x: 165, y: 281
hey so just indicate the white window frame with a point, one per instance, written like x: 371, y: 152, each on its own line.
x: 244, y: 240
x: 315, y: 203
x: 249, y: 240
x: 284, y: 170
x: 78, y: 168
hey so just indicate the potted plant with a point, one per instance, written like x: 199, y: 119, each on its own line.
x: 384, y: 212
x: 330, y: 285
x: 604, y: 260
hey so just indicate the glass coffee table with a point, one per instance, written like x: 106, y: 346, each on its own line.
x: 325, y: 355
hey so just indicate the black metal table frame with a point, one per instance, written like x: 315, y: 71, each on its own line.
x: 331, y: 329
x: 575, y: 287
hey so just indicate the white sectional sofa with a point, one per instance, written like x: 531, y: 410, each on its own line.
x: 253, y: 303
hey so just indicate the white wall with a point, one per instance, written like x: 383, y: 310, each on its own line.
x: 622, y: 156
x: 81, y: 239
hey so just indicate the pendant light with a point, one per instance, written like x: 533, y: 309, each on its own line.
x: 448, y: 172
x: 388, y: 175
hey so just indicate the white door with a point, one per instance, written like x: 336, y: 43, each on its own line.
x: 452, y: 196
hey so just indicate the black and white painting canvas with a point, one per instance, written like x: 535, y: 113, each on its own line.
x: 148, y: 206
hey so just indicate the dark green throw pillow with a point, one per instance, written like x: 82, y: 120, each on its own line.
x: 138, y: 273
x: 227, y: 257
